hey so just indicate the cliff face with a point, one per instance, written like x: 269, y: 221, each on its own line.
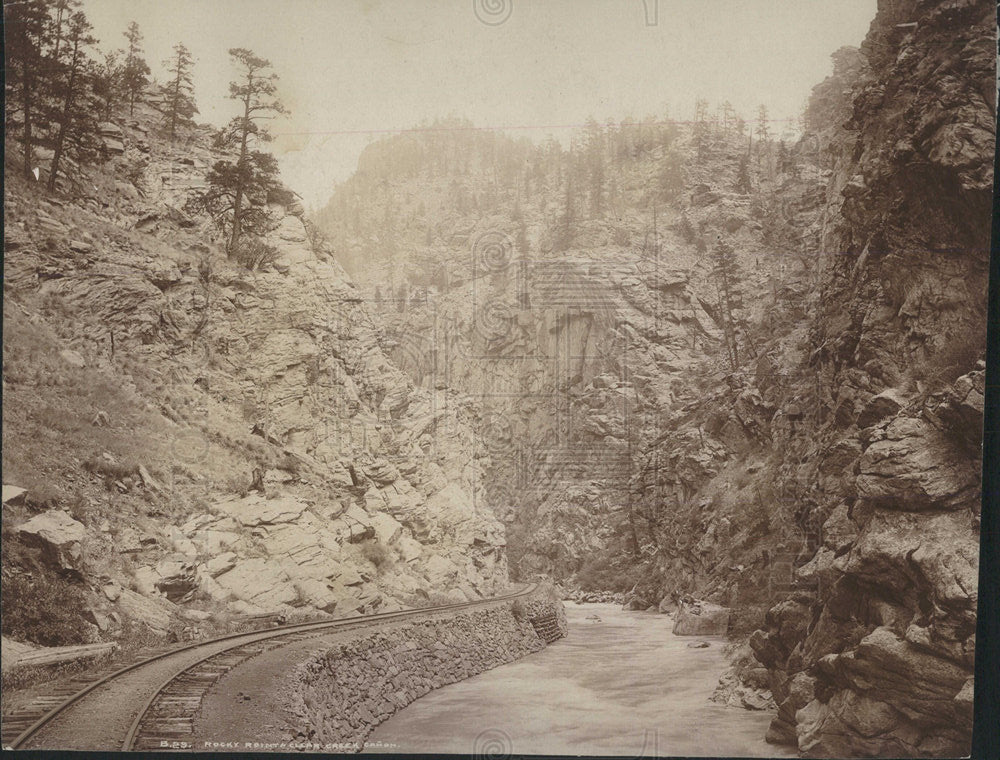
x: 572, y: 297
x: 286, y: 464
x: 880, y: 660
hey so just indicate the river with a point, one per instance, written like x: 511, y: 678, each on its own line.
x: 623, y: 685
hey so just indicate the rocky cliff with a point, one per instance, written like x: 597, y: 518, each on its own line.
x: 571, y: 296
x: 198, y: 440
x: 880, y: 660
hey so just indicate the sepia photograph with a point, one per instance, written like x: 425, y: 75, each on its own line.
x: 497, y: 378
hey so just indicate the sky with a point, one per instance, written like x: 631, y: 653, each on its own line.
x: 351, y: 71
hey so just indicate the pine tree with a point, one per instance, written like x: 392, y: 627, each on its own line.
x: 27, y: 36
x: 564, y: 233
x: 672, y: 176
x: 594, y: 151
x: 763, y: 133
x: 743, y: 182
x: 701, y: 128
x: 255, y: 173
x: 728, y: 117
x: 64, y: 11
x: 180, y: 106
x: 109, y: 82
x: 74, y: 93
x: 726, y: 272
x: 135, y: 74
x: 258, y: 179
x: 784, y: 158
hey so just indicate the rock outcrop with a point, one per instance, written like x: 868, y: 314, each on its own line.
x: 58, y: 535
x: 879, y: 661
x: 260, y: 452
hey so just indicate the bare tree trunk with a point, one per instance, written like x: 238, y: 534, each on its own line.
x: 66, y: 116
x: 28, y: 91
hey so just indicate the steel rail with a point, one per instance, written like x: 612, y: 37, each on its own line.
x: 247, y: 637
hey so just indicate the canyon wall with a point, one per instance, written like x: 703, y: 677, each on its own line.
x: 880, y: 661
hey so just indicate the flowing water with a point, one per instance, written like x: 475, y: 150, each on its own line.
x: 621, y: 685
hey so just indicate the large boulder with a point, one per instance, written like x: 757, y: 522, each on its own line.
x: 177, y: 579
x: 260, y: 582
x: 913, y: 466
x: 158, y: 614
x: 697, y: 618
x: 256, y: 510
x: 387, y: 528
x: 13, y: 495
x: 892, y: 698
x: 885, y: 404
x: 58, y: 535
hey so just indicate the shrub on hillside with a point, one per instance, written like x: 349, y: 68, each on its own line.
x: 254, y: 253
x: 375, y: 553
x: 42, y: 609
x: 599, y: 574
x: 518, y: 610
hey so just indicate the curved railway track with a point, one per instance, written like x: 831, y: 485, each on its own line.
x: 170, y: 685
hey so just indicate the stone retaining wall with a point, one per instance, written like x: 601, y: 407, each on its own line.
x: 340, y: 695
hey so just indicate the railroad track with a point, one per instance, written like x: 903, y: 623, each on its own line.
x: 166, y: 716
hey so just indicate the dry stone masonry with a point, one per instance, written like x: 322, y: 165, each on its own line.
x: 339, y: 696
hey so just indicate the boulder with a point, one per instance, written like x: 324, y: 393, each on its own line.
x: 220, y: 564
x: 145, y: 579
x: 317, y: 594
x: 913, y: 466
x: 667, y: 605
x: 58, y: 535
x: 439, y: 572
x: 260, y: 582
x: 701, y: 619
x: 73, y: 359
x: 155, y: 613
x: 381, y: 472
x: 109, y: 129
x: 409, y: 548
x: 256, y: 510
x: 13, y: 495
x: 937, y: 553
x: 127, y: 189
x: 112, y: 591
x: 885, y: 404
x: 387, y: 528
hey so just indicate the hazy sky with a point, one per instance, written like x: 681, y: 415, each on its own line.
x: 351, y: 70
